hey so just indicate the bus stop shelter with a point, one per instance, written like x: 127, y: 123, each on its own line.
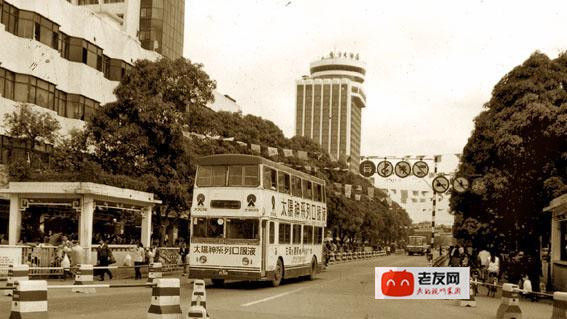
x: 84, y: 199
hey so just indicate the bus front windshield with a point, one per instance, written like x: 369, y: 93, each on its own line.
x: 232, y: 175
x: 416, y: 241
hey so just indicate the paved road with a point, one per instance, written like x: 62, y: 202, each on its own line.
x: 343, y: 291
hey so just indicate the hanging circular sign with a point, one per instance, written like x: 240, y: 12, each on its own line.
x: 385, y: 169
x: 440, y: 184
x: 367, y: 168
x: 403, y: 169
x: 461, y: 184
x: 420, y: 169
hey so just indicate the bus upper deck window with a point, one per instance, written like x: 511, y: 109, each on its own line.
x: 307, y: 189
x: 219, y: 176
x: 283, y: 182
x: 251, y: 176
x: 204, y: 176
x: 317, y: 192
x: 270, y: 178
x: 296, y: 186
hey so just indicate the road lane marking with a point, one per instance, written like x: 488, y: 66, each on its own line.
x: 272, y: 297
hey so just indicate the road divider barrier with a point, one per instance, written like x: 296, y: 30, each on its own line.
x: 84, y: 276
x: 154, y: 271
x: 198, y: 307
x: 559, y: 305
x: 16, y: 272
x: 29, y: 300
x: 346, y: 256
x: 510, y: 304
x: 166, y: 299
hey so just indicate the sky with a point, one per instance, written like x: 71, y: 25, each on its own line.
x: 430, y: 65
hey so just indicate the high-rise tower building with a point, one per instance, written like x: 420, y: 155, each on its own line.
x: 159, y: 24
x: 329, y: 105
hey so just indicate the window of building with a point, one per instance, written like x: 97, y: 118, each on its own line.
x: 307, y: 189
x: 7, y: 79
x: 26, y: 24
x: 10, y: 17
x: 61, y: 103
x: 296, y: 234
x: 296, y: 186
x: 307, y: 235
x: 270, y: 178
x: 283, y: 183
x: 75, y: 50
x: 284, y: 233
x: 21, y: 89
x: 272, y: 233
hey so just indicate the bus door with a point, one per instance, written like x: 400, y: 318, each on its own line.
x: 264, y: 246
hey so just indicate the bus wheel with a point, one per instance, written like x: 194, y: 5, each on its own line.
x: 313, y: 268
x: 218, y: 282
x: 278, y: 274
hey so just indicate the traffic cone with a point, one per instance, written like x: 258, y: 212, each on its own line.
x: 166, y: 300
x: 16, y: 272
x: 154, y: 272
x: 198, y: 301
x: 559, y: 305
x: 29, y: 300
x: 510, y: 306
x: 84, y: 276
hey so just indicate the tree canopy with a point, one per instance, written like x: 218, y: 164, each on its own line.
x: 517, y: 155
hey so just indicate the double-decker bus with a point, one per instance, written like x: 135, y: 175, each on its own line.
x: 255, y: 219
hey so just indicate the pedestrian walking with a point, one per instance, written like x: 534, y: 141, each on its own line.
x: 105, y: 258
x: 183, y: 252
x: 454, y: 257
x: 139, y: 256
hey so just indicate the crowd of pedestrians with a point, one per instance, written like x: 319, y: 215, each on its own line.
x: 494, y: 268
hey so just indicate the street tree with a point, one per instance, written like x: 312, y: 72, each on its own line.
x: 518, y: 156
x: 141, y: 134
x: 32, y: 128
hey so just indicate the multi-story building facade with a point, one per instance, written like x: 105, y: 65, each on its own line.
x: 62, y: 59
x: 329, y: 105
x: 159, y: 24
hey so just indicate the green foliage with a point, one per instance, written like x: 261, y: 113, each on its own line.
x: 31, y: 127
x: 141, y: 134
x: 519, y: 148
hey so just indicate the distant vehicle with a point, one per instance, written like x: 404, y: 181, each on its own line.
x: 416, y: 245
x: 254, y: 219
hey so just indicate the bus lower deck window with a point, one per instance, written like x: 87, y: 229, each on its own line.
x: 284, y: 233
x: 208, y: 227
x: 296, y: 234
x: 242, y: 229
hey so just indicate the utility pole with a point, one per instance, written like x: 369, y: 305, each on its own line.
x: 434, y: 205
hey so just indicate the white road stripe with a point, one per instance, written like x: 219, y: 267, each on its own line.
x: 272, y: 297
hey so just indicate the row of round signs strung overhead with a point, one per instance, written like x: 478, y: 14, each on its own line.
x: 419, y: 169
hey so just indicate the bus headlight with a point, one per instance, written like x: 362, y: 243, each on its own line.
x: 203, y: 259
x: 245, y: 261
